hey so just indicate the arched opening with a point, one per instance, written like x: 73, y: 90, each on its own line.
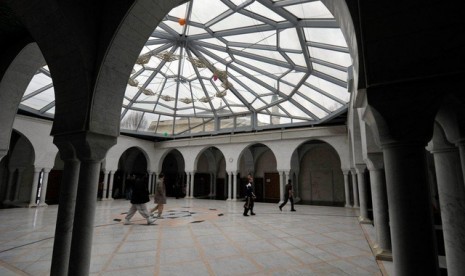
x: 132, y: 163
x: 16, y: 172
x: 210, y: 174
x: 320, y: 178
x: 175, y: 177
x: 260, y: 161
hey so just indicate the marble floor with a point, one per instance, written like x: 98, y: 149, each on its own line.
x: 200, y: 237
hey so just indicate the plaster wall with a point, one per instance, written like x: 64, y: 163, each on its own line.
x: 38, y: 133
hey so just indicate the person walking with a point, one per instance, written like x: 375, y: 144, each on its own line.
x: 249, y: 197
x: 288, y: 195
x: 160, y: 196
x: 139, y: 196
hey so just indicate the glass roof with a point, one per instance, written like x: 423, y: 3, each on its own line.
x: 227, y: 66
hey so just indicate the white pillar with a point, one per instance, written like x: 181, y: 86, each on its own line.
x: 110, y: 185
x: 43, y: 192
x: 229, y: 185
x: 153, y: 182
x: 214, y: 185
x: 150, y: 180
x: 383, y: 247
x: 355, y: 188
x: 410, y: 213
x: 192, y: 184
x: 461, y: 146
x: 234, y: 175
x: 451, y: 191
x: 363, y: 194
x: 281, y: 187
x: 105, y: 185
x: 210, y: 194
x: 188, y: 184
x: 35, y: 182
x: 346, y: 188
x: 296, y: 187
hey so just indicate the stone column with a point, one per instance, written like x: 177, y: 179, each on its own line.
x: 461, y: 146
x: 110, y: 185
x: 451, y: 192
x: 229, y: 185
x: 355, y: 187
x: 234, y: 175
x: 91, y: 149
x: 346, y: 188
x: 105, y: 185
x: 281, y: 187
x: 66, y: 207
x: 382, y: 248
x: 43, y: 192
x: 214, y: 185
x: 192, y: 184
x: 286, y: 177
x: 410, y: 212
x: 188, y: 184
x: 35, y: 182
x: 150, y: 180
x: 363, y: 194
x: 296, y: 188
x: 210, y: 194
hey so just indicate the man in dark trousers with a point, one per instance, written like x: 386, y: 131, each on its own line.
x: 249, y: 197
x: 139, y: 196
x: 288, y: 195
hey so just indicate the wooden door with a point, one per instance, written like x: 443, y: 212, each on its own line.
x: 271, y: 187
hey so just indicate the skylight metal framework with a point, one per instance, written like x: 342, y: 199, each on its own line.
x: 236, y: 65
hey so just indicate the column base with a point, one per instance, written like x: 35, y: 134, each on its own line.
x: 42, y: 205
x: 106, y: 199
x: 363, y: 220
x: 382, y: 254
x: 348, y: 206
x: 7, y: 202
x: 32, y: 205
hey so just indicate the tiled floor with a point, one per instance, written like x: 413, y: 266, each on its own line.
x: 199, y: 237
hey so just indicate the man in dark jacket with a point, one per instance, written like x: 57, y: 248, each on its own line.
x: 249, y: 197
x: 140, y: 196
x: 288, y: 195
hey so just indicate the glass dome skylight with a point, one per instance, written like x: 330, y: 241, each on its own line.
x: 215, y: 66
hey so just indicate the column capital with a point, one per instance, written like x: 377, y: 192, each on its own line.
x: 457, y: 143
x: 375, y: 161
x: 360, y: 168
x: 85, y: 145
x: 439, y: 142
x: 3, y: 153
